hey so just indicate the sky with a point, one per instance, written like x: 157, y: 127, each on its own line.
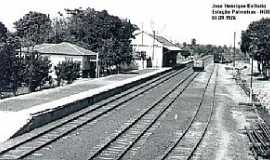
x: 178, y: 20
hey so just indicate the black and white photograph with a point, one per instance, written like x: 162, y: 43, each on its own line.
x: 135, y: 80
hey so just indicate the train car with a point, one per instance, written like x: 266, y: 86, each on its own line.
x: 198, y: 65
x: 217, y: 58
x: 222, y: 58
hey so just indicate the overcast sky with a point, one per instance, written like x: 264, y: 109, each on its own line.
x: 179, y: 20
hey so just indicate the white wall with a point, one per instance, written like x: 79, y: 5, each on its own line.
x: 55, y: 59
x: 147, y: 46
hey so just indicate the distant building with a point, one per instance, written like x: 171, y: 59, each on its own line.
x: 153, y: 50
x: 64, y: 51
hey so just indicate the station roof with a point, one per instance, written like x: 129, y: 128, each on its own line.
x: 64, y: 48
x: 185, y: 52
x: 164, y: 41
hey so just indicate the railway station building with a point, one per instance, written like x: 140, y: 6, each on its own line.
x: 152, y: 50
x: 57, y: 53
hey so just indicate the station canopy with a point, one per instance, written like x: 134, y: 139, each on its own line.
x: 185, y: 53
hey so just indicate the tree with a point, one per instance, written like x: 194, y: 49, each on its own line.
x: 37, y: 70
x: 59, y: 32
x: 6, y: 66
x: 193, y: 42
x: 67, y: 70
x: 3, y: 32
x: 10, y: 68
x: 4, y: 55
x: 101, y: 32
x: 256, y: 41
x: 184, y: 44
x: 245, y: 42
x: 34, y: 27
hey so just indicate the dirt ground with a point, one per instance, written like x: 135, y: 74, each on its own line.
x: 226, y: 139
x: 261, y: 87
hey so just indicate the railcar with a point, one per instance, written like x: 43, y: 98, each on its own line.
x: 218, y: 58
x: 198, y: 65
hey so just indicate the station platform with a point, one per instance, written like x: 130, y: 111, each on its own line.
x: 39, y: 108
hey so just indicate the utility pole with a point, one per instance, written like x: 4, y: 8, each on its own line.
x: 251, y: 79
x: 234, y: 49
x: 154, y: 38
x: 142, y: 34
x: 97, y: 65
x: 254, y: 50
x: 142, y: 47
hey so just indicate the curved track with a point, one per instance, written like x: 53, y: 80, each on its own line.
x: 190, y: 139
x: 117, y: 147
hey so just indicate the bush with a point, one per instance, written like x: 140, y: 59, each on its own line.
x: 68, y: 71
x: 37, y: 70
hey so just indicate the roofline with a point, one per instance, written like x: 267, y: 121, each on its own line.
x: 49, y: 45
x: 58, y: 53
x: 151, y: 35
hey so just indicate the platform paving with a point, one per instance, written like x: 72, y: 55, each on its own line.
x: 36, y: 98
x: 224, y: 138
x: 17, y: 111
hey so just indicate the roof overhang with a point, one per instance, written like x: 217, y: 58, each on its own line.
x: 52, y: 53
x: 185, y: 53
x: 63, y: 48
x: 173, y: 48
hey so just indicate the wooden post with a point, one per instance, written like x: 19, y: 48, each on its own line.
x: 97, y: 65
x: 234, y: 50
x: 153, y: 53
x: 251, y: 79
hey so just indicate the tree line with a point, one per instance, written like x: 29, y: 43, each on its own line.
x: 255, y: 43
x: 206, y: 49
x: 97, y: 31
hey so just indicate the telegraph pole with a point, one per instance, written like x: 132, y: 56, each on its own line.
x: 142, y: 34
x: 254, y: 50
x: 234, y: 49
x: 153, y: 54
x: 97, y: 65
x: 142, y: 47
x: 251, y: 79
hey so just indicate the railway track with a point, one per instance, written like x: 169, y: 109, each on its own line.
x: 189, y: 140
x: 117, y: 147
x: 65, y: 126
